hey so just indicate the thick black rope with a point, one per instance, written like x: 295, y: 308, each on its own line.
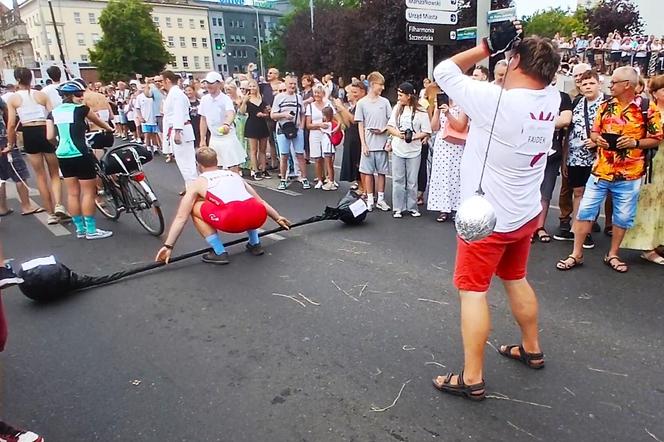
x: 84, y: 281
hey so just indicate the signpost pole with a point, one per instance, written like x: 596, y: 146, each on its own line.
x: 430, y: 61
x: 483, y: 8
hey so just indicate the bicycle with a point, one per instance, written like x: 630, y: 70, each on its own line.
x: 124, y: 185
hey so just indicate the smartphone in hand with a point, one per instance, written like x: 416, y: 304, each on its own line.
x: 442, y: 98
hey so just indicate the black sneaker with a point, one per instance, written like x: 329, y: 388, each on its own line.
x: 213, y: 258
x: 256, y: 250
x: 596, y: 227
x: 563, y: 234
x: 588, y: 243
x: 11, y: 434
x: 8, y: 278
x: 266, y: 175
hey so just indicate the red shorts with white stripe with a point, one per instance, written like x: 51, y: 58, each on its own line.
x: 236, y: 216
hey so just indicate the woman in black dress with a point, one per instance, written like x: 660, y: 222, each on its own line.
x: 256, y: 129
x: 193, y: 114
x: 350, y: 162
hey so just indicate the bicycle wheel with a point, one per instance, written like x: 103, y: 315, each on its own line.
x: 147, y: 213
x: 106, y: 200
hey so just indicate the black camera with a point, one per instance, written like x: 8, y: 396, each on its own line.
x: 408, y: 135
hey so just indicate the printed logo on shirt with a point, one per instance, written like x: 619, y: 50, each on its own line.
x: 537, y: 136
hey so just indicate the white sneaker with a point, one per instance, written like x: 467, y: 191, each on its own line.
x: 397, y: 214
x: 319, y: 185
x: 370, y: 207
x: 52, y: 219
x: 99, y: 234
x: 415, y: 213
x: 60, y: 211
x: 329, y: 186
x: 382, y: 205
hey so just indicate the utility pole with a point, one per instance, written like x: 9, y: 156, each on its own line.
x: 57, y: 38
x: 483, y: 8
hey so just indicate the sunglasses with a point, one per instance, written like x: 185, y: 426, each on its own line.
x: 78, y: 94
x: 282, y: 90
x: 613, y: 83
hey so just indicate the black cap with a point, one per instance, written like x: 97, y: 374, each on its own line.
x: 406, y: 88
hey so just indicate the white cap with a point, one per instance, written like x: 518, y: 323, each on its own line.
x: 135, y: 82
x: 213, y: 77
x: 581, y: 68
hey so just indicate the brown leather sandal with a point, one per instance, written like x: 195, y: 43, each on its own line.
x: 475, y: 392
x: 527, y: 358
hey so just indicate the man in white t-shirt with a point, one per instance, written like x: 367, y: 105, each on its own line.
x: 522, y: 135
x: 218, y: 115
x: 55, y: 74
x: 10, y: 89
x: 147, y: 118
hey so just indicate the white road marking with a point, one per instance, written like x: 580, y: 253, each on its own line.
x: 268, y: 185
x: 55, y: 229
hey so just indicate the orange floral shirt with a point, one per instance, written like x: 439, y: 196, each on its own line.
x: 614, y: 118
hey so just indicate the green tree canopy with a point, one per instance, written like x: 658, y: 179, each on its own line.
x: 555, y: 20
x: 131, y: 43
x: 614, y: 15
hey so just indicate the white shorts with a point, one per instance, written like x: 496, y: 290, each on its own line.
x: 320, y: 144
x: 230, y: 152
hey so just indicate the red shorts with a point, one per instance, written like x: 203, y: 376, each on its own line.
x: 501, y: 254
x: 236, y: 216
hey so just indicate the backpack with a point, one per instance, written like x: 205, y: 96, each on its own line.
x: 649, y: 154
x: 336, y: 138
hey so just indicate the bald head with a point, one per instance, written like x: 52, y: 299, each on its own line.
x: 626, y: 73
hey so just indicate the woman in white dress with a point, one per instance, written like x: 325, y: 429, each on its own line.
x: 445, y: 184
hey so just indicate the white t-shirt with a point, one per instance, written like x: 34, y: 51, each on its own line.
x: 418, y: 123
x: 53, y: 95
x: 316, y: 114
x: 146, y: 106
x: 522, y: 136
x: 214, y: 110
x: 6, y: 96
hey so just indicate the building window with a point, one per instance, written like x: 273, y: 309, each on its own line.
x: 185, y: 61
x: 236, y: 68
x: 180, y: 24
x: 81, y: 39
x: 206, y: 60
x: 48, y: 38
x: 214, y: 21
x: 95, y: 38
x: 168, y: 22
x: 183, y: 43
x: 174, y: 63
x: 194, y: 43
x: 92, y: 19
x: 232, y: 38
x: 255, y: 39
x: 219, y: 68
x: 242, y: 24
x: 77, y: 18
x: 191, y: 24
x: 171, y: 42
x: 197, y: 62
x: 84, y: 58
x: 155, y: 19
x: 202, y: 23
x: 230, y: 23
x: 204, y: 42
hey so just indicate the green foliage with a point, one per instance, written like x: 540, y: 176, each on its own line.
x: 131, y: 43
x: 555, y: 20
x: 610, y: 15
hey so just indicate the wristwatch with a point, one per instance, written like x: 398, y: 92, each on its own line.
x: 168, y: 246
x: 638, y: 143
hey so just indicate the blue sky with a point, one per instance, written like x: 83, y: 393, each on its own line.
x: 527, y: 7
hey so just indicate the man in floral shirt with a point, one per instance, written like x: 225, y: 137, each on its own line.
x: 621, y: 134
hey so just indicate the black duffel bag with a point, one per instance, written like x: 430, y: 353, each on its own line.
x: 127, y: 159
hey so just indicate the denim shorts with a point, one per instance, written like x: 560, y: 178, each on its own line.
x: 625, y: 197
x: 285, y: 144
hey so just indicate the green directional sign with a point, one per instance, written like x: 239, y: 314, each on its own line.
x: 466, y: 33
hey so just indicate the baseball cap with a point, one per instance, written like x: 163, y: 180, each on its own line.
x: 213, y: 77
x: 406, y: 88
x: 580, y: 68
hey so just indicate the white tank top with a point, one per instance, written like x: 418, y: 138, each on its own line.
x: 226, y: 186
x: 30, y: 111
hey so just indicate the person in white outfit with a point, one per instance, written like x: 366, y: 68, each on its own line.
x: 179, y: 133
x: 217, y: 115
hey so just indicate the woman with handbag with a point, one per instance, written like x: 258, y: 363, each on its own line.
x: 445, y: 183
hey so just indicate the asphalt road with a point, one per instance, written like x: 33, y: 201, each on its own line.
x: 197, y: 352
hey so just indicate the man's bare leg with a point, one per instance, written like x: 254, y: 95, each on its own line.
x: 525, y: 310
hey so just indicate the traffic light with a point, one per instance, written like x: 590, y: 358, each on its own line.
x: 217, y: 44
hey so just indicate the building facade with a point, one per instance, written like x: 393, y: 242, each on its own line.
x: 15, y: 45
x: 238, y: 34
x: 184, y: 28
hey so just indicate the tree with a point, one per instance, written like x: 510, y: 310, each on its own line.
x: 555, y: 20
x: 131, y: 43
x: 611, y: 15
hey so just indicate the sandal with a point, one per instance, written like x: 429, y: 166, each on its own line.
x: 651, y: 256
x: 7, y: 213
x: 545, y: 238
x: 475, y: 392
x: 565, y: 265
x: 443, y: 217
x: 530, y: 359
x: 34, y: 211
x: 608, y: 230
x: 616, y: 264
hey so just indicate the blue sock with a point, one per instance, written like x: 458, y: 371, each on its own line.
x: 79, y: 223
x: 215, y: 243
x: 253, y: 237
x: 90, y: 224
